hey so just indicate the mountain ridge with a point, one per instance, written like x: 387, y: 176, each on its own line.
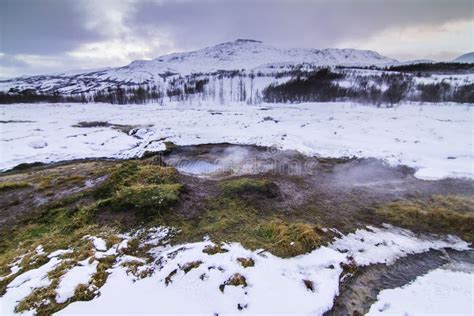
x: 249, y: 54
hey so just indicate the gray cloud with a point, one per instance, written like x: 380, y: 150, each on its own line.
x: 42, y: 27
x: 59, y: 28
x: 292, y: 23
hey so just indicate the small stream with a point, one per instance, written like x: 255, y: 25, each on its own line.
x: 360, y: 292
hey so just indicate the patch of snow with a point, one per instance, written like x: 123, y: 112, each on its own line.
x: 385, y: 245
x: 439, y: 292
x: 59, y: 253
x: 39, y: 250
x: 269, y: 283
x: 24, y: 284
x: 79, y: 274
x: 99, y: 243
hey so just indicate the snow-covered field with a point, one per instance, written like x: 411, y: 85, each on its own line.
x: 437, y: 140
x: 273, y: 284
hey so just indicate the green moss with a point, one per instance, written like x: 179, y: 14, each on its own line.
x: 439, y: 214
x: 154, y: 174
x: 6, y: 186
x: 233, y: 220
x: 146, y: 189
x: 133, y: 247
x: 147, y: 199
x: 246, y: 186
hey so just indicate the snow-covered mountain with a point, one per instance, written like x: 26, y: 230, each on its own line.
x: 242, y: 54
x: 251, y: 54
x: 466, y: 58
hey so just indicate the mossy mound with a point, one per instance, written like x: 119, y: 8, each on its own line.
x: 242, y: 187
x: 146, y: 199
x: 439, y: 214
x: 288, y: 238
x: 146, y: 189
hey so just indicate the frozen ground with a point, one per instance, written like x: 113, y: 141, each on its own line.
x: 272, y: 285
x: 437, y: 140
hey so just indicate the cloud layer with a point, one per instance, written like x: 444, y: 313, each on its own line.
x: 53, y: 35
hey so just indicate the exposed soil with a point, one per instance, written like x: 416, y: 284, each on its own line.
x: 47, y: 183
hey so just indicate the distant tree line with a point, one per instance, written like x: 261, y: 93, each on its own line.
x: 116, y: 95
x: 433, y: 68
x: 389, y: 88
x: 305, y: 85
x: 130, y: 95
x: 31, y: 96
x: 425, y: 68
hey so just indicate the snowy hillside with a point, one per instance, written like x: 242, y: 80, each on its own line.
x: 237, y: 55
x: 466, y: 58
x: 249, y: 54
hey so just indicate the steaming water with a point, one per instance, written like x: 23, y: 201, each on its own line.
x: 198, y: 167
x: 221, y: 160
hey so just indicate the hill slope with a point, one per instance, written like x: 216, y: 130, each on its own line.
x: 466, y: 58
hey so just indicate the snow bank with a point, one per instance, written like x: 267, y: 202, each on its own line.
x: 385, y: 245
x: 437, y: 140
x: 440, y: 292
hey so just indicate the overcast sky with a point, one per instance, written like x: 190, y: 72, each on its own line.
x: 44, y: 36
